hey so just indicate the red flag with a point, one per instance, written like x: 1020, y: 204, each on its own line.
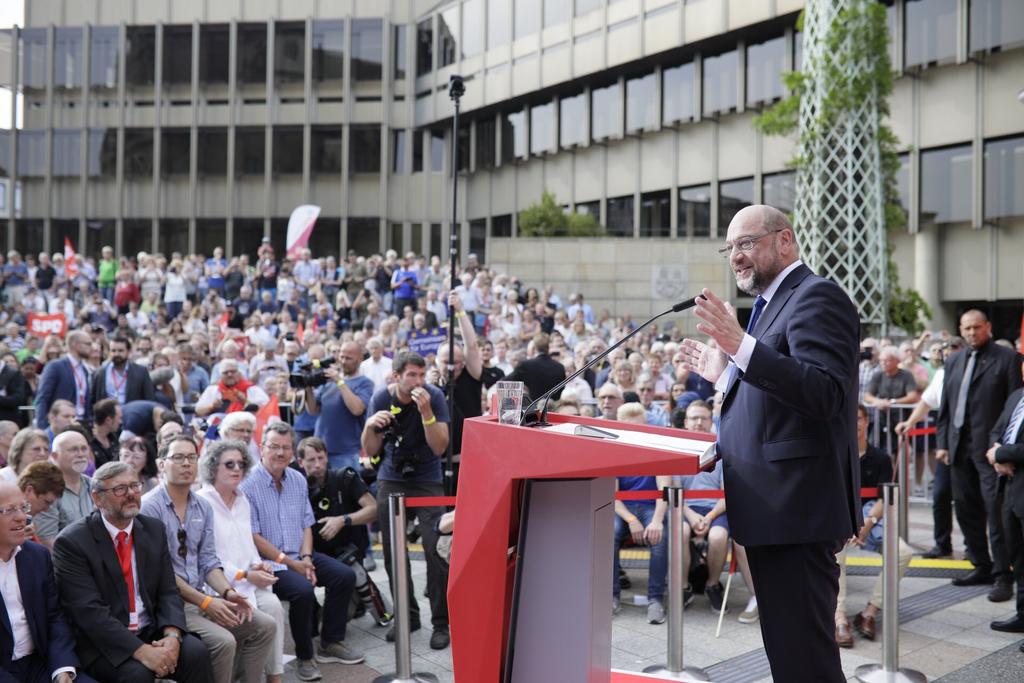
x: 222, y: 323
x: 300, y: 334
x: 314, y: 326
x: 70, y: 267
x: 271, y: 409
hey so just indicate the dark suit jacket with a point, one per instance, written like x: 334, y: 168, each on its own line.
x: 139, y: 388
x: 50, y: 631
x: 539, y: 374
x: 15, y: 394
x: 58, y: 381
x: 787, y: 436
x: 93, y: 590
x: 996, y: 376
x: 1011, y: 454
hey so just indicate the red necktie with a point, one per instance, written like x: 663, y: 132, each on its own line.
x: 124, y: 558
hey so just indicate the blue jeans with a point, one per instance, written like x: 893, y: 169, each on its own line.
x: 339, y: 580
x: 658, y: 567
x: 339, y: 461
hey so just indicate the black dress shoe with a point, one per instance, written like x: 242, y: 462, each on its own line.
x: 439, y: 639
x: 1014, y: 624
x: 1001, y: 592
x: 936, y: 552
x: 978, y: 577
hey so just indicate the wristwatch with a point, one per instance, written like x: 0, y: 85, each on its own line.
x: 174, y: 634
x: 347, y: 520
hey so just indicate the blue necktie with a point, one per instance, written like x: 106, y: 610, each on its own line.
x: 1010, y: 435
x: 759, y: 304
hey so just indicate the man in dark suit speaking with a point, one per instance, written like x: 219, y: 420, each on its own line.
x: 787, y: 436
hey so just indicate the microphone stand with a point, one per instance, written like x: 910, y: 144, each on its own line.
x: 541, y: 420
x: 456, y: 89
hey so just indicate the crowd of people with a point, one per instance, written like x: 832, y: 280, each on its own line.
x: 214, y: 436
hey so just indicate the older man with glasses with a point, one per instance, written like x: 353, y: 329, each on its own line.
x: 237, y: 636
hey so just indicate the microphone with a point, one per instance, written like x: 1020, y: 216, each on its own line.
x: 541, y: 420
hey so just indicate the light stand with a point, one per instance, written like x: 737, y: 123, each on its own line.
x: 456, y: 89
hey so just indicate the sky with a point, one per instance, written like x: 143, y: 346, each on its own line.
x: 12, y: 13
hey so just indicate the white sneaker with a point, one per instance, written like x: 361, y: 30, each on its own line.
x: 749, y: 615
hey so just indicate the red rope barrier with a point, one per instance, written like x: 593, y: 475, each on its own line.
x: 920, y: 431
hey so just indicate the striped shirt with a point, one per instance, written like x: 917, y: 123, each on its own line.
x: 281, y: 517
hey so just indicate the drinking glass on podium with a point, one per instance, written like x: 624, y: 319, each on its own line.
x: 510, y: 402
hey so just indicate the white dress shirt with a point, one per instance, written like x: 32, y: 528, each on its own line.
x: 140, y: 616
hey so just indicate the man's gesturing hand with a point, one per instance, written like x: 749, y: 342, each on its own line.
x: 705, y: 360
x: 720, y: 322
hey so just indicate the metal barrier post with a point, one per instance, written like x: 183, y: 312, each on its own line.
x: 674, y: 670
x: 889, y: 670
x: 903, y: 481
x: 400, y: 576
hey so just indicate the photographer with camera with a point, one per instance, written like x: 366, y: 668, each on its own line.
x: 340, y: 403
x: 407, y: 432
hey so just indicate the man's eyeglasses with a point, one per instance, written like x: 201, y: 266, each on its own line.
x: 25, y: 508
x: 122, y: 489
x: 744, y: 244
x: 278, y: 447
x: 646, y: 390
x: 233, y: 464
x: 181, y: 458
x: 698, y: 418
x: 182, y: 544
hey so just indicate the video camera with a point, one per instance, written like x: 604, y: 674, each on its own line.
x: 393, y: 434
x: 310, y: 374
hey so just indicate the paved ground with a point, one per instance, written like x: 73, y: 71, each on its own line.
x: 945, y: 633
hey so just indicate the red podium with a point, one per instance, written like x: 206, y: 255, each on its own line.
x: 490, y: 561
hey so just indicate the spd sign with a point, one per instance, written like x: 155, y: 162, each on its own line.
x: 41, y: 325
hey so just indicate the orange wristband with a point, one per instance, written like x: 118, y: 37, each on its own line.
x: 280, y: 556
x: 239, y: 575
x: 206, y: 603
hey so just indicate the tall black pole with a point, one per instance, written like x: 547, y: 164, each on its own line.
x: 455, y: 91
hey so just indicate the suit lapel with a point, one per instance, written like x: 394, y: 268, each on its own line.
x: 141, y: 543
x: 27, y: 580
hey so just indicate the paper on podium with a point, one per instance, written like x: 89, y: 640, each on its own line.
x: 703, y: 449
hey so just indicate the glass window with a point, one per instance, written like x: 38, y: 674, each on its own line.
x: 252, y: 54
x: 779, y: 190
x: 641, y: 103
x: 556, y: 13
x: 28, y: 238
x: 733, y: 195
x: 364, y: 235
x: 798, y: 51
x: 463, y: 151
x: 498, y: 27
x: 173, y: 236
x: 212, y: 152
x: 720, y: 82
x: 931, y: 28
x: 364, y: 155
x: 996, y: 24
x: 478, y: 239
x: 1004, y: 178
x: 177, y: 55
x: 655, y: 214
x: 33, y: 58
x: 325, y: 240
x: 103, y: 57
x: 102, y: 153
x: 472, y: 35
x: 287, y: 150
x: 174, y: 151
x: 214, y: 46
x: 694, y: 211
x: 436, y: 150
x: 140, y: 62
x: 326, y: 151
x: 247, y: 233
x: 903, y: 184
x: 210, y: 234
x: 417, y: 151
x: 946, y: 185
x: 61, y: 229
x: 67, y: 154
x: 605, y: 112
x: 424, y: 47
x: 367, y: 49
x: 250, y: 151
x: 138, y: 153
x: 448, y: 35
x: 137, y: 235
x: 328, y: 51
x: 98, y: 234
x: 501, y: 226
x: 584, y: 6
x: 399, y: 52
x: 398, y: 151
x: 590, y: 209
x: 486, y: 132
x: 765, y: 62
x: 542, y: 128
x: 572, y: 128
x: 67, y: 57
x: 289, y: 52
x: 677, y: 93
x: 435, y: 239
x: 620, y: 216
x: 5, y: 155
x: 513, y: 136
x: 527, y: 19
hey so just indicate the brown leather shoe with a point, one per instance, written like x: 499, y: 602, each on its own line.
x: 844, y: 638
x: 865, y: 625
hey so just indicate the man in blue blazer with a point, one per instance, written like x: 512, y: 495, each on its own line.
x: 66, y: 378
x: 787, y: 436
x: 36, y: 645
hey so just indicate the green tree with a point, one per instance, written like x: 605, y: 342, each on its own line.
x: 547, y: 219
